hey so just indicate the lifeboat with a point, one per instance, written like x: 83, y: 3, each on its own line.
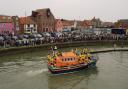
x: 64, y: 62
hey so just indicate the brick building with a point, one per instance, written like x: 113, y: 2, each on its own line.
x: 44, y: 19
x: 62, y: 24
x: 67, y: 24
x: 87, y: 24
x: 79, y: 24
x: 123, y: 23
x: 27, y: 25
x: 6, y: 25
x: 58, y: 25
x: 96, y: 22
x: 107, y: 24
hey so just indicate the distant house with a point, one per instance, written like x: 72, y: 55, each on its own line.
x: 96, y: 22
x: 72, y: 24
x: 6, y: 25
x: 45, y: 20
x: 79, y: 25
x: 58, y: 25
x: 67, y: 24
x: 87, y: 24
x: 123, y: 23
x: 27, y: 25
x: 107, y: 24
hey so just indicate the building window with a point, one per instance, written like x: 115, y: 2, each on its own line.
x: 28, y: 30
x: 46, y: 29
x: 73, y: 58
x: 4, y: 18
x: 28, y: 25
x: 43, y: 29
x: 34, y: 29
x: 9, y: 18
x: 34, y: 25
x: 17, y: 18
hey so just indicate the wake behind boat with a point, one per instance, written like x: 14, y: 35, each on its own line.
x: 75, y: 60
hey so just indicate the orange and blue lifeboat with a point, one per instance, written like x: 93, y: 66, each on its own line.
x: 69, y: 62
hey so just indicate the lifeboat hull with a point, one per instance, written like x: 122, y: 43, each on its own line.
x: 72, y: 69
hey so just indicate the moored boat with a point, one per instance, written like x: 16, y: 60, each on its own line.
x: 75, y: 60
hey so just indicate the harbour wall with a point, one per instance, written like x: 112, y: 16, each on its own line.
x: 17, y: 50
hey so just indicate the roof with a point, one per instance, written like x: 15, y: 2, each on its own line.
x: 26, y: 20
x: 67, y: 22
x: 57, y: 20
x: 44, y: 12
x: 44, y: 9
x: 71, y: 22
x: 123, y: 20
x: 107, y: 24
x: 88, y: 22
x: 68, y: 54
x: 5, y: 15
x: 5, y: 18
x: 80, y: 23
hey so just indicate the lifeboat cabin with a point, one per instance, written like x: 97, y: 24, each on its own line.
x: 66, y: 59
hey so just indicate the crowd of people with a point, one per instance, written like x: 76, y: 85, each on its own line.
x: 48, y: 38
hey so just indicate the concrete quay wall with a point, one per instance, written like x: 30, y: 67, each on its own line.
x: 16, y: 50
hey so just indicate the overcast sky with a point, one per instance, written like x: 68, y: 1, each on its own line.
x: 107, y: 10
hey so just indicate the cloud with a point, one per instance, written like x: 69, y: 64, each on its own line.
x: 70, y: 9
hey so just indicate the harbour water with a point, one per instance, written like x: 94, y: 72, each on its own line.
x: 29, y: 71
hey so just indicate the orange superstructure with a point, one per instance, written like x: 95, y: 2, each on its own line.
x: 66, y: 59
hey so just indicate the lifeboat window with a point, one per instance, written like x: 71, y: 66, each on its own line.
x: 62, y: 59
x: 72, y: 58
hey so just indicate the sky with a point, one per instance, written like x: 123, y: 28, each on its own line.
x: 106, y: 10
